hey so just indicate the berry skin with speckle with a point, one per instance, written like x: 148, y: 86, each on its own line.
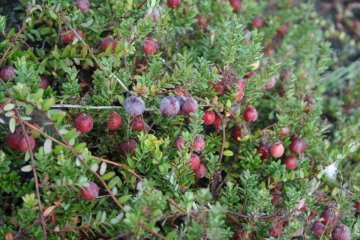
x: 22, y: 145
x: 189, y: 106
x: 169, y: 106
x: 290, y: 163
x: 137, y: 124
x: 209, y: 117
x: 235, y: 4
x: 134, y: 106
x: 90, y: 192
x: 199, y: 143
x: 257, y: 23
x: 12, y: 140
x: 200, y: 172
x: 108, y: 43
x: 7, y: 73
x: 128, y: 147
x: 341, y: 232
x: 84, y: 123
x: 297, y: 145
x: 318, y: 229
x: 250, y: 115
x: 114, y: 121
x: 82, y: 5
x: 149, y: 46
x: 194, y: 162
x: 174, y: 3
x: 277, y: 150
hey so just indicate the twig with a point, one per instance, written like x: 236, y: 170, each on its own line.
x: 152, y: 232
x: 85, y: 107
x: 33, y: 165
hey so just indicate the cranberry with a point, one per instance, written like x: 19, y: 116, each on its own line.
x: 277, y: 150
x: 282, y: 30
x: 194, y: 162
x: 7, y: 73
x: 108, y: 43
x: 297, y: 145
x: 82, y: 5
x: 12, y: 140
x: 284, y: 131
x: 149, y: 46
x: 235, y: 4
x: 44, y: 83
x: 218, y: 123
x: 199, y: 143
x: 264, y: 150
x: 128, y: 147
x: 23, y: 146
x: 90, y: 192
x: 83, y: 123
x: 329, y: 216
x: 200, y: 172
x: 134, y: 106
x: 189, y: 106
x: 290, y: 163
x: 250, y: 115
x: 173, y: 3
x: 341, y: 232
x: 169, y: 106
x: 318, y: 229
x: 257, y: 23
x: 209, y: 117
x: 114, y: 121
x: 137, y: 124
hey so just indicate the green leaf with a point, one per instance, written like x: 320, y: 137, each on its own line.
x: 228, y: 153
x: 12, y: 124
x: 124, y: 199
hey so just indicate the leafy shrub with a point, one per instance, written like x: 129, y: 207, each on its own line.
x: 268, y: 159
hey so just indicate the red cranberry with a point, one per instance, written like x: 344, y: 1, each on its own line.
x: 108, y: 43
x: 90, y: 192
x: 173, y: 3
x: 250, y: 115
x: 318, y: 229
x: 22, y: 145
x: 194, y: 162
x: 209, y: 117
x: 218, y: 123
x: 290, y: 163
x: 82, y: 5
x: 169, y: 106
x: 257, y: 23
x: 134, y: 106
x: 357, y: 206
x: 277, y: 188
x: 199, y: 143
x: 270, y: 84
x: 235, y: 4
x: 114, y: 121
x: 341, y: 232
x: 7, y: 73
x: 200, y: 172
x: 297, y: 145
x: 284, y: 131
x: 282, y: 30
x: 128, y: 147
x: 12, y: 140
x: 264, y: 150
x: 137, y: 124
x: 329, y: 216
x: 276, y: 231
x: 149, y: 46
x: 66, y: 36
x: 44, y: 83
x: 277, y: 150
x: 179, y: 143
x: 189, y: 106
x: 83, y: 123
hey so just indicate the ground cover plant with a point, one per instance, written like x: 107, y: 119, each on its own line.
x: 177, y: 119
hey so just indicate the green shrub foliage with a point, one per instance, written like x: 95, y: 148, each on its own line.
x: 203, y: 52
